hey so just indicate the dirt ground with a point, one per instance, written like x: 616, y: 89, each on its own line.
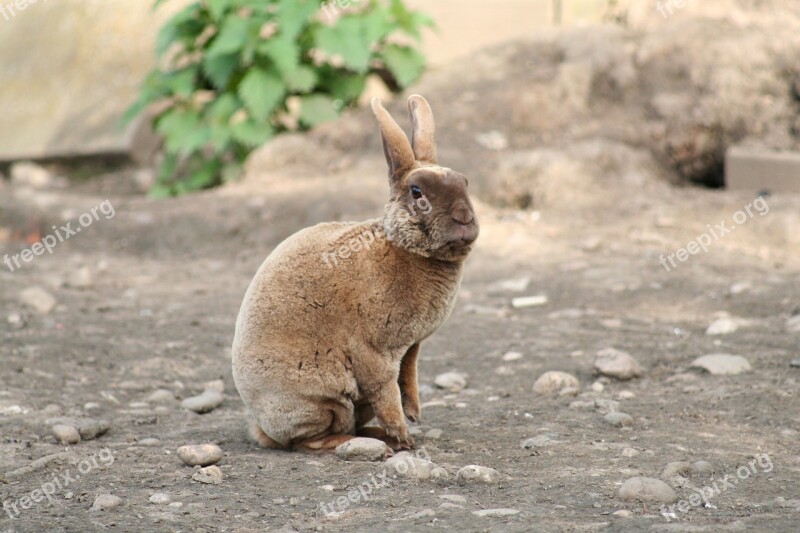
x: 154, y: 308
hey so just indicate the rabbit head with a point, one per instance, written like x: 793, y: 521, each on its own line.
x: 429, y: 211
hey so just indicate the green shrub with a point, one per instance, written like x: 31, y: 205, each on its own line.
x: 234, y: 73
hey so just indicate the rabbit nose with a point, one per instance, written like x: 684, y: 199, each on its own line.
x: 463, y: 216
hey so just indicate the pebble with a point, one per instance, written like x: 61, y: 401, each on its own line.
x: 150, y: 441
x: 478, y: 474
x: 554, y: 381
x: 406, y: 465
x: 161, y: 396
x: 66, y: 434
x: 448, y: 505
x: 528, y: 301
x: 434, y: 434
x: 512, y: 356
x: 676, y: 468
x: 622, y: 513
x: 723, y: 326
x: 617, y: 364
x: 159, y: 498
x: 495, y: 513
x: 598, y: 387
x: 618, y: 420
x: 630, y: 452
x: 455, y: 498
x: 438, y: 472
x: 363, y: 449
x: 451, y: 381
x: 30, y: 174
x: 106, y: 501
x: 626, y: 395
x: 703, y: 467
x: 201, y: 454
x: 793, y: 324
x: 80, y: 278
x: 722, y: 364
x: 569, y: 391
x: 425, y: 513
x: 539, y: 441
x: 88, y: 428
x: 647, y: 490
x: 795, y: 363
x: 203, y: 403
x: 39, y: 299
x: 211, y: 475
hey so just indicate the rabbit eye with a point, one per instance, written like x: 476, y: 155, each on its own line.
x: 416, y: 192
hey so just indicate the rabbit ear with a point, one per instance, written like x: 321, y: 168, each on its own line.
x: 423, y: 137
x: 396, y: 147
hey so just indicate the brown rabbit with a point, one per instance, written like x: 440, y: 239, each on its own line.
x: 330, y: 328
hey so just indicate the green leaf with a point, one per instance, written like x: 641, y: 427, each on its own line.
x: 183, y: 130
x: 347, y: 38
x: 316, y: 109
x: 232, y: 37
x: 405, y: 63
x: 293, y: 15
x: 217, y: 8
x: 346, y: 87
x: 252, y: 133
x: 303, y: 79
x: 182, y: 82
x: 205, y: 175
x: 261, y: 91
x: 284, y: 54
x: 219, y: 69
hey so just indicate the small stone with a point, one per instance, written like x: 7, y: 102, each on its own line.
x: 39, y: 299
x: 618, y: 420
x: 175, y: 505
x: 478, y: 474
x: 622, y: 513
x: 363, y: 449
x: 106, y: 501
x: 722, y: 364
x: 434, y: 434
x: 159, y: 498
x: 88, y: 428
x: 451, y: 381
x: 149, y: 441
x: 161, y: 396
x: 512, y: 356
x: 793, y: 324
x: 626, y: 395
x: 438, y: 472
x: 606, y: 406
x: 425, y: 513
x: 455, y: 498
x: 211, y: 475
x: 495, y: 513
x: 629, y: 452
x: 215, y: 385
x: 66, y: 434
x: 201, y: 454
x: 539, y: 441
x: 554, y: 381
x: 794, y: 363
x: 569, y: 391
x: 703, y: 467
x: 723, y: 326
x: 80, y: 278
x: 528, y: 301
x: 203, y: 403
x: 598, y: 387
x: 676, y: 468
x: 617, y: 364
x: 29, y: 174
x: 406, y: 465
x: 448, y: 505
x: 647, y: 489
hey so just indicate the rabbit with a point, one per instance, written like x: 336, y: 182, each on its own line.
x: 329, y: 332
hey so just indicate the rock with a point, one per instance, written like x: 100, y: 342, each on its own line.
x: 622, y: 513
x: 201, y: 454
x: 161, y: 396
x: 438, y: 472
x: 363, y: 449
x: 406, y: 465
x: 39, y: 299
x: 629, y: 452
x: 30, y: 174
x: 617, y: 364
x: 203, y: 403
x: 598, y: 387
x: 106, y: 501
x: 618, y: 420
x: 569, y: 391
x: 454, y: 498
x: 677, y: 468
x: 88, y: 428
x: 794, y: 363
x: 703, y: 467
x: 606, y: 406
x: 722, y: 364
x: 216, y: 385
x: 478, y: 474
x: 451, y: 381
x: 448, y: 505
x: 495, y: 513
x: 512, y: 356
x: 626, y: 395
x: 528, y: 301
x: 159, y: 498
x: 80, y: 278
x: 647, y: 489
x: 723, y: 326
x: 554, y: 381
x: 434, y: 434
x: 425, y: 513
x: 793, y: 324
x: 66, y: 434
x: 150, y: 441
x: 211, y: 475
x: 539, y: 441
